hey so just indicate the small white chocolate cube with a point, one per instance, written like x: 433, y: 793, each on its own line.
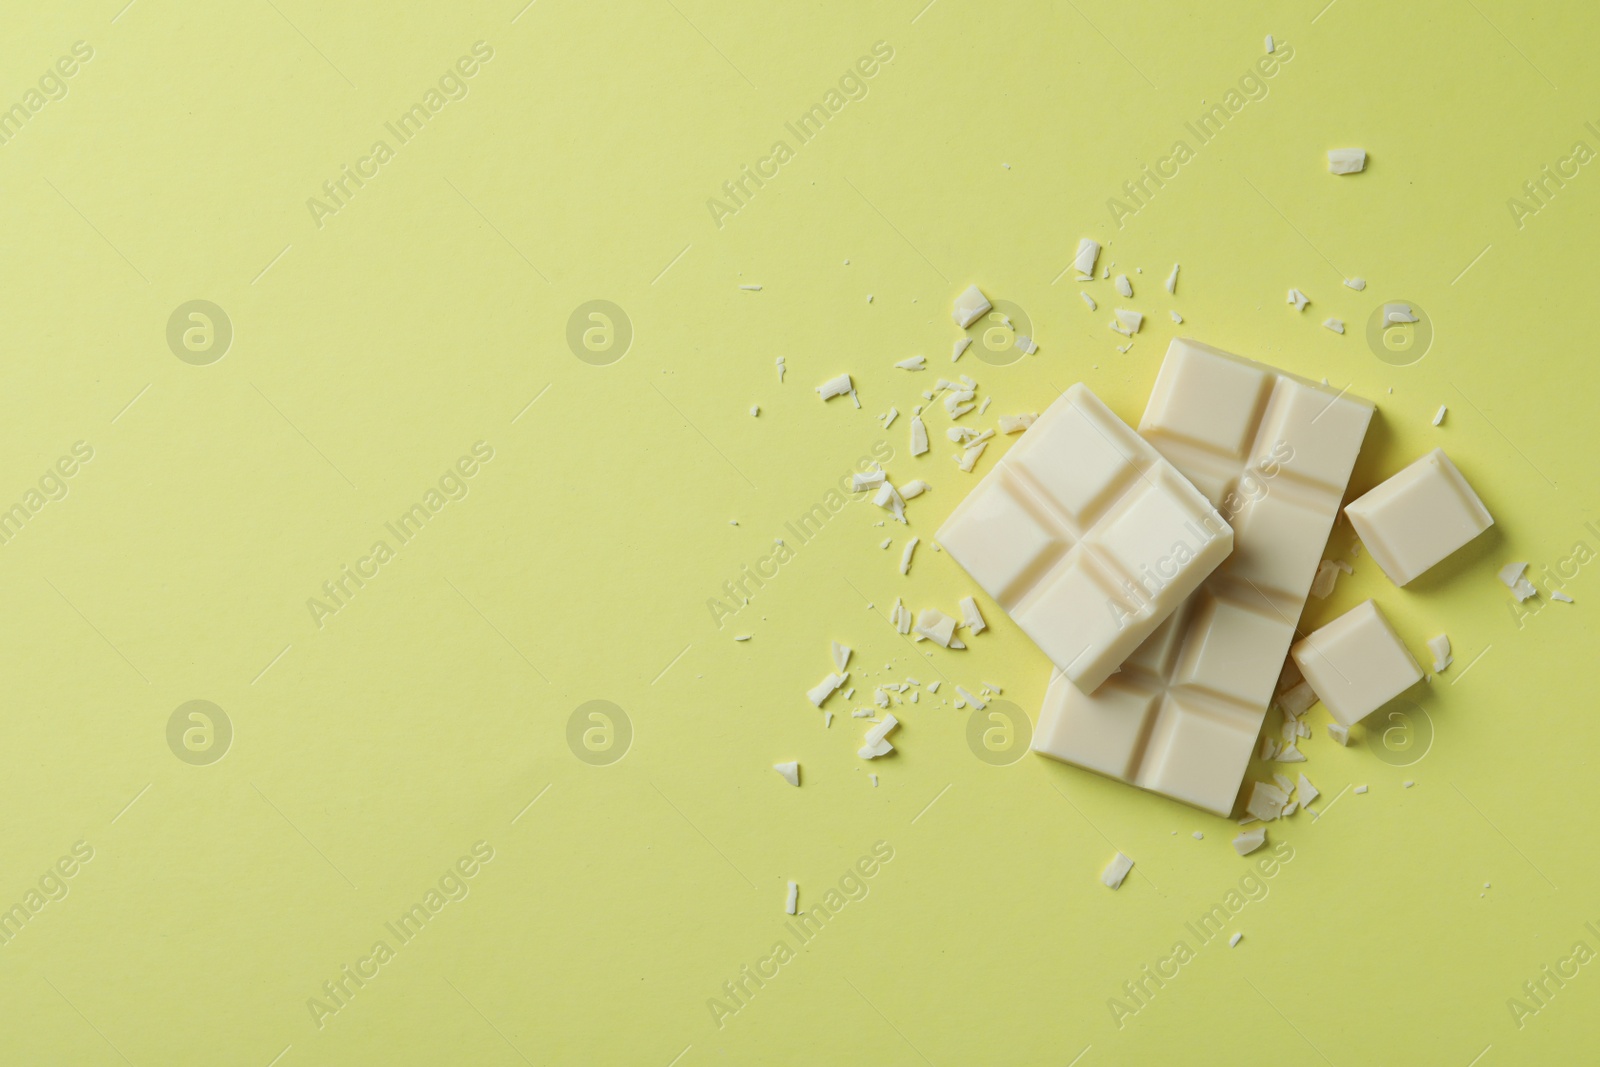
x: 1418, y: 517
x: 1356, y: 663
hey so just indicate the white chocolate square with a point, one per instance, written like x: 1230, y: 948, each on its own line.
x: 1357, y: 663
x: 1274, y: 453
x: 1418, y: 517
x: 1086, y: 536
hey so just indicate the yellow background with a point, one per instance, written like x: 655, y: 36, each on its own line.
x: 369, y: 754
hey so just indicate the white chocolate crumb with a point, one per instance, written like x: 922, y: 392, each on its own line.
x: 1339, y: 733
x: 1336, y: 325
x: 1360, y: 789
x: 1439, y: 645
x: 1175, y: 316
x: 1298, y: 299
x: 905, y: 556
x: 1124, y: 286
x: 1250, y: 840
x: 1087, y: 252
x: 1087, y: 299
x: 913, y: 363
x: 1305, y: 792
x: 792, y: 903
x: 1116, y: 871
x: 1438, y: 416
x: 970, y: 306
x: 1234, y: 940
x: 1271, y: 47
x: 1347, y: 160
x: 1172, y: 279
x: 790, y: 771
x: 971, y: 618
x: 1357, y: 284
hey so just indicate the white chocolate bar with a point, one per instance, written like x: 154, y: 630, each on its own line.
x: 1274, y: 452
x: 1086, y: 536
x: 1418, y: 517
x: 1356, y: 663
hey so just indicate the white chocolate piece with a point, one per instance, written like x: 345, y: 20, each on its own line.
x: 792, y: 901
x: 1339, y: 733
x: 1087, y: 299
x: 959, y: 347
x: 1298, y: 299
x: 1086, y: 536
x: 790, y: 771
x: 913, y: 489
x: 1027, y: 345
x: 1357, y: 663
x: 1347, y: 160
x: 919, y: 436
x: 971, y: 617
x: 1512, y: 575
x: 823, y: 689
x: 1305, y: 792
x: 1440, y: 647
x: 1556, y: 594
x: 905, y: 556
x: 1172, y: 279
x: 1336, y: 325
x: 1124, y: 286
x: 890, y: 500
x: 970, y: 307
x: 1438, y: 416
x: 1016, y: 423
x: 1327, y: 575
x: 841, y: 658
x: 1418, y: 517
x: 1250, y: 840
x: 1129, y: 320
x: 1359, y: 284
x: 1274, y: 452
x: 860, y: 483
x: 1175, y: 316
x: 936, y: 626
x: 1398, y: 313
x: 1271, y: 47
x: 1087, y: 252
x: 1116, y: 871
x: 1266, y: 801
x: 914, y: 363
x: 876, y: 742
x: 1360, y: 789
x: 833, y: 387
x: 969, y: 458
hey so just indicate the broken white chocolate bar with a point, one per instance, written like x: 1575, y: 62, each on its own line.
x: 1418, y: 517
x: 1274, y: 452
x: 1086, y: 536
x: 1356, y: 663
